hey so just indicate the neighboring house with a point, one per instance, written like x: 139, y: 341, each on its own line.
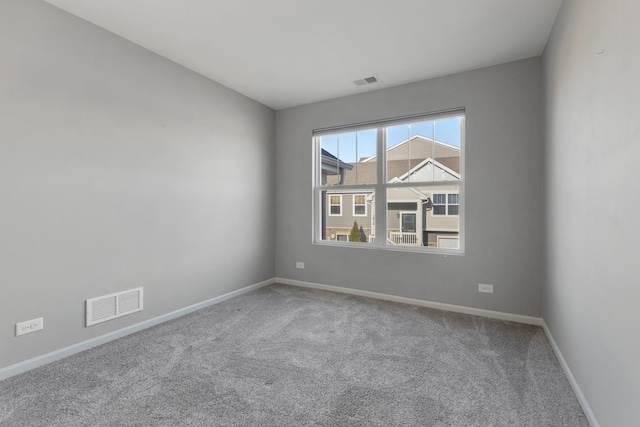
x: 334, y: 167
x: 416, y: 216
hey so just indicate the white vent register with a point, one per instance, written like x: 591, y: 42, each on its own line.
x: 112, y: 306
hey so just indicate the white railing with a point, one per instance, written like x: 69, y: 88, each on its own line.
x: 399, y: 238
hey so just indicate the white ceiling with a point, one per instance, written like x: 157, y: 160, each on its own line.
x: 285, y: 53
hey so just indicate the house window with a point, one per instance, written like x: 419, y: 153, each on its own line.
x: 335, y: 204
x: 408, y: 222
x: 359, y: 205
x: 446, y: 204
x: 453, y: 204
x: 439, y: 204
x: 342, y: 237
x: 407, y: 173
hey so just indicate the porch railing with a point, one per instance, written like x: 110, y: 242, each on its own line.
x: 400, y: 238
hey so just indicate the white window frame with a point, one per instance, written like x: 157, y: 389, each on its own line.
x: 330, y: 205
x: 381, y: 186
x: 453, y: 204
x: 353, y: 204
x: 446, y: 203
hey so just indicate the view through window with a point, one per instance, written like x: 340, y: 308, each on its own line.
x: 409, y: 173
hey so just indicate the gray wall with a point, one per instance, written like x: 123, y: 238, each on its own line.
x: 120, y: 169
x: 592, y: 104
x: 504, y: 164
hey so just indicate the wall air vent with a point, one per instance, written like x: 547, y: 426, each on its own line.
x: 112, y: 306
x: 367, y: 80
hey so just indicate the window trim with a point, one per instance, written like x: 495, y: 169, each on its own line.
x: 329, y: 196
x: 446, y: 204
x: 401, y: 215
x: 353, y: 205
x: 453, y: 204
x: 380, y: 227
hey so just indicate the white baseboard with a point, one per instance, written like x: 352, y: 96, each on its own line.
x: 437, y: 305
x: 572, y: 380
x: 44, y: 359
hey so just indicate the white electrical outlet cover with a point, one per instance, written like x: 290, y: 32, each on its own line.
x: 29, y: 326
x: 482, y: 287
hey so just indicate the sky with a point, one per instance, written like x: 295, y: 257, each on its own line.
x: 351, y: 146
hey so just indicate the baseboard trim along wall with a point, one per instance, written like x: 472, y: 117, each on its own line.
x: 44, y: 359
x: 572, y: 380
x: 412, y: 301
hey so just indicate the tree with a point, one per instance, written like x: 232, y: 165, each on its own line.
x: 354, y: 236
x: 363, y: 235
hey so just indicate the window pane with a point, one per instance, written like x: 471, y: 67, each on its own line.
x: 408, y: 222
x: 335, y: 204
x: 398, y: 155
x: 338, y: 220
x: 417, y: 216
x: 424, y: 151
x: 329, y: 162
x: 447, y: 148
x: 453, y: 209
x: 349, y: 158
x: 365, y: 163
x: 359, y: 205
x: 408, y: 147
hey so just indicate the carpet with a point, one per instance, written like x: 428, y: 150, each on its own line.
x: 287, y: 356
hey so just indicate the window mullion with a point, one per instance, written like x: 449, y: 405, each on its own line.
x: 381, y: 192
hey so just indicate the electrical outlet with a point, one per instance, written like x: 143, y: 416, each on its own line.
x: 488, y: 289
x: 29, y: 326
x: 300, y: 265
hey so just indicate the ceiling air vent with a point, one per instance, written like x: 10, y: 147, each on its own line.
x: 101, y: 309
x: 367, y: 80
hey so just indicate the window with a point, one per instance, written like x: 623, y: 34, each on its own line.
x: 359, y: 205
x: 439, y: 204
x: 446, y: 204
x: 406, y: 172
x: 335, y: 204
x: 408, y: 222
x: 453, y: 204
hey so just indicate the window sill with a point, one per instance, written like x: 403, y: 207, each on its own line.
x: 389, y: 248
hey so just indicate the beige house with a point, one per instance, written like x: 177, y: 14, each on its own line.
x: 416, y: 216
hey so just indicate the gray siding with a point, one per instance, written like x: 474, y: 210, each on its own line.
x: 347, y: 218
